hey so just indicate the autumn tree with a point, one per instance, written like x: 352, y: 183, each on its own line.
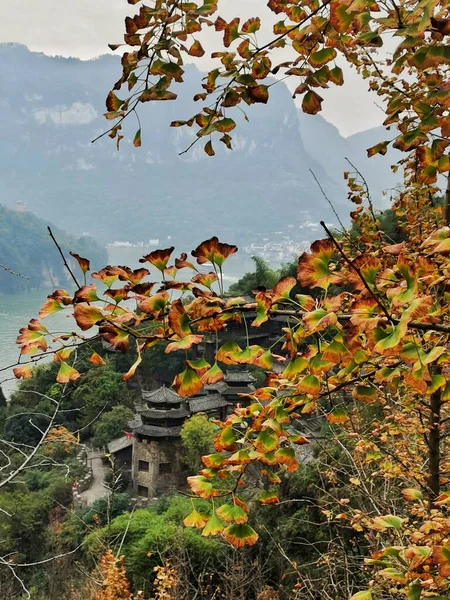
x: 197, y: 435
x: 374, y: 329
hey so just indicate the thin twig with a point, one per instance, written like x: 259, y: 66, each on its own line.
x: 63, y: 257
x: 329, y: 202
x: 5, y: 268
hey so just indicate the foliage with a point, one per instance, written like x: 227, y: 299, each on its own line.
x: 197, y: 435
x: 26, y: 513
x: 2, y: 398
x: 111, y: 425
x: 263, y: 276
x: 374, y: 330
x: 114, y: 582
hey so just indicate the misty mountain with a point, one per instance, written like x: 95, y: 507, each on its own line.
x: 53, y: 107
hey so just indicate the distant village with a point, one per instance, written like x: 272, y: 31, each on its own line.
x: 275, y: 247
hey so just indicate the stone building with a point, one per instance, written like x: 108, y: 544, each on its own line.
x: 157, y: 467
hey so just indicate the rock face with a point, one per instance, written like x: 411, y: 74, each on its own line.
x: 26, y: 248
x: 53, y: 107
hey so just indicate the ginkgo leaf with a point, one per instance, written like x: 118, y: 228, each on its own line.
x: 363, y: 595
x: 309, y: 385
x: 87, y: 316
x: 441, y: 556
x: 213, y: 251
x: 337, y: 415
x: 232, y: 513
x: 266, y: 441
x: 240, y: 535
x: 67, y: 373
x: 212, y: 375
x: 50, y: 307
x: 214, y: 526
x: 411, y: 494
x: 96, y: 359
x: 225, y: 440
x: 23, y: 372
x: 201, y: 486
x: 296, y: 366
x: 83, y: 262
x: 227, y: 352
x: 365, y: 393
x: 187, y: 383
x: 268, y: 498
x: 388, y: 521
x: 158, y: 258
x: 184, y: 344
x: 195, y: 519
x: 196, y: 49
x: 200, y: 366
x: 132, y: 370
x: 286, y: 456
x: 213, y: 460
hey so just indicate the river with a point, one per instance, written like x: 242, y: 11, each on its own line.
x: 17, y: 309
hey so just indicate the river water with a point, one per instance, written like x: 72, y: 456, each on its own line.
x: 17, y: 309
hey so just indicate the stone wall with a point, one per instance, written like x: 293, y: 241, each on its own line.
x: 160, y: 478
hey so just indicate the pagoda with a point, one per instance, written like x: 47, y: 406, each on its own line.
x: 157, y: 450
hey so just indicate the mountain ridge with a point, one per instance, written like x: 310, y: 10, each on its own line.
x: 27, y: 250
x: 54, y: 107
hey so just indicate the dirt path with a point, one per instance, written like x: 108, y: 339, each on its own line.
x: 96, y: 489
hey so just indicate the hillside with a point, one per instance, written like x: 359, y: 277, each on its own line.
x: 53, y: 107
x: 26, y: 248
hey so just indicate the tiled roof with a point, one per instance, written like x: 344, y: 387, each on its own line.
x: 171, y: 413
x: 120, y: 444
x: 158, y: 432
x: 205, y: 403
x: 219, y: 387
x: 240, y: 389
x: 135, y: 422
x: 163, y: 395
x: 241, y: 376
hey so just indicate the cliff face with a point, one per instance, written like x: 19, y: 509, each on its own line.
x: 26, y: 248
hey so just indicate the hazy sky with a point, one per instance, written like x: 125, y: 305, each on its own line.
x: 83, y: 28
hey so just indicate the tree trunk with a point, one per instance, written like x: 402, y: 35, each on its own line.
x: 447, y: 202
x: 434, y: 443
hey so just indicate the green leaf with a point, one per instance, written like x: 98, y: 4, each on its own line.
x: 389, y: 337
x: 225, y: 440
x: 312, y: 103
x: 414, y: 592
x: 66, y: 373
x: 137, y: 139
x: 266, y: 441
x: 232, y: 513
x: 364, y: 595
x: 322, y: 57
x: 225, y: 125
x: 214, y: 526
x: 187, y: 383
x: 201, y: 486
x: 240, y: 535
x: 209, y: 149
x: 389, y: 522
